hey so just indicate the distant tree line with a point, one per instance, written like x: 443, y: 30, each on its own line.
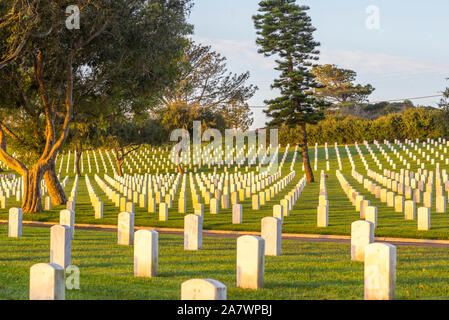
x: 415, y: 123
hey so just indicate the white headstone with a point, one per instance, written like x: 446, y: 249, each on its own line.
x: 15, y: 222
x: 371, y: 215
x: 145, y: 253
x: 362, y: 234
x: 278, y: 212
x: 60, y: 245
x: 47, y: 282
x: 424, y: 218
x: 163, y: 211
x: 250, y: 262
x: 237, y: 213
x: 380, y: 271
x: 203, y: 289
x: 193, y: 232
x: 322, y: 216
x: 255, y: 202
x: 214, y: 206
x: 410, y: 210
x: 441, y: 204
x: 99, y: 210
x: 272, y: 234
x: 48, y: 203
x: 67, y: 218
x: 125, y: 228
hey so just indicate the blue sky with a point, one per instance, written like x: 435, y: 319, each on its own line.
x: 405, y: 57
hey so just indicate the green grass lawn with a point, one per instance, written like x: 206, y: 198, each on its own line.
x: 304, y: 271
x: 301, y: 220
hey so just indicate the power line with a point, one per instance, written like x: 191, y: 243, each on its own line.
x: 417, y: 98
x: 393, y: 100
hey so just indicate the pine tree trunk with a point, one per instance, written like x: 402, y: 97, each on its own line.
x: 55, y: 190
x: 78, y: 154
x: 32, y: 189
x: 305, y: 155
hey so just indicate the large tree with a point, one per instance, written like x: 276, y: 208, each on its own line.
x: 28, y: 144
x: 123, y: 48
x: 205, y: 87
x: 338, y: 85
x: 285, y: 31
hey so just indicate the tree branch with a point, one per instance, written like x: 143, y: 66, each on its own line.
x: 50, y: 127
x: 9, y: 160
x: 93, y: 36
x: 131, y: 151
x: 8, y: 131
x: 69, y: 109
x: 14, y: 55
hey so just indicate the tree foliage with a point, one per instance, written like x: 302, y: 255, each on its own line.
x: 338, y: 85
x: 415, y: 123
x: 176, y: 116
x: 123, y: 50
x: 373, y: 110
x: 205, y: 90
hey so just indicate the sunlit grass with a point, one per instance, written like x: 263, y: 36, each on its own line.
x: 304, y: 271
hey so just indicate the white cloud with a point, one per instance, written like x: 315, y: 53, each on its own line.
x: 379, y: 64
x: 239, y: 52
x: 244, y: 53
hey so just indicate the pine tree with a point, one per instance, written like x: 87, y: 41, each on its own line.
x: 285, y: 31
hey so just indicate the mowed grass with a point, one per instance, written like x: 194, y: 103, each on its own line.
x: 304, y: 271
x: 301, y: 220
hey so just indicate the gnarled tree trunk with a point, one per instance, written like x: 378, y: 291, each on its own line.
x: 305, y: 154
x: 55, y: 190
x: 32, y: 189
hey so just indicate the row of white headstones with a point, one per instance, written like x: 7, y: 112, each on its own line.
x: 408, y: 185
x: 150, y: 190
x: 144, y: 159
x: 47, y: 279
x: 403, y: 183
x: 407, y: 177
x: 98, y: 205
x: 321, y: 209
x: 143, y: 155
x: 9, y: 186
x: 441, y: 144
x: 413, y: 158
x: 379, y: 258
